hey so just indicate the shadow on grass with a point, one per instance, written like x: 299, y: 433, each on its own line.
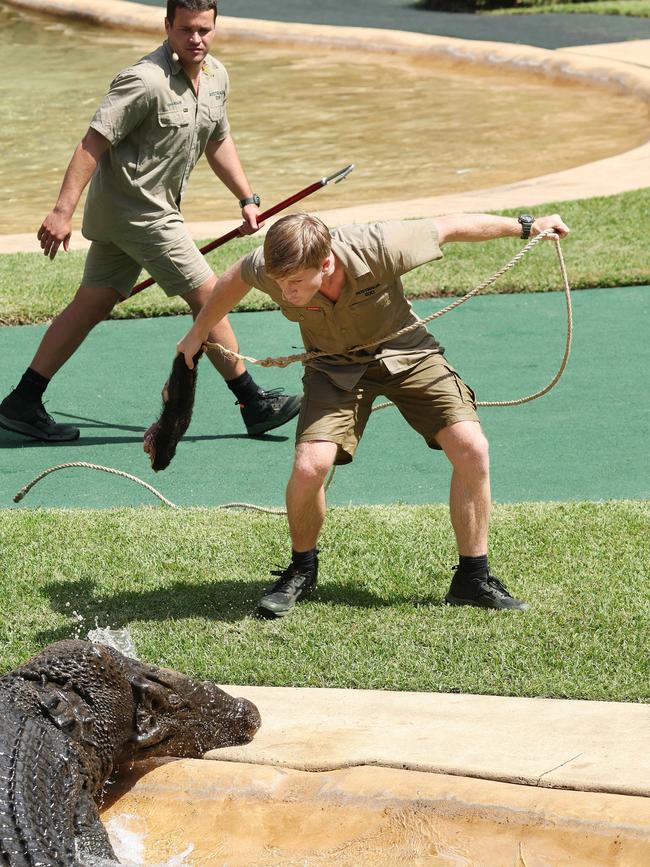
x: 227, y: 601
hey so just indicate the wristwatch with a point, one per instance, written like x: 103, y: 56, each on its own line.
x: 526, y: 221
x: 250, y: 200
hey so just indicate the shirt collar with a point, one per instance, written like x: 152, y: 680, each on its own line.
x: 356, y: 269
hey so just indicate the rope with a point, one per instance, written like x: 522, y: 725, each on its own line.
x: 284, y: 361
x: 24, y: 491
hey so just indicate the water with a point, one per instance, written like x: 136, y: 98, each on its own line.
x: 412, y: 129
x: 119, y: 639
x: 128, y: 841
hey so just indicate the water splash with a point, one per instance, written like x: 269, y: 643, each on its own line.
x: 127, y: 838
x: 118, y: 639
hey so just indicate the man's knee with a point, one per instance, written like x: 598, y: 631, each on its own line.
x: 312, y: 462
x: 466, y: 445
x: 93, y: 305
x: 196, y: 298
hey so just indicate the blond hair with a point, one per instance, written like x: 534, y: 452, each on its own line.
x: 295, y: 243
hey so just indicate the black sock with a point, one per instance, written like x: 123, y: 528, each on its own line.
x: 304, y: 559
x: 31, y: 386
x: 244, y: 387
x: 473, y: 567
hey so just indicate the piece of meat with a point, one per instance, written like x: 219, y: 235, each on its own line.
x: 162, y: 437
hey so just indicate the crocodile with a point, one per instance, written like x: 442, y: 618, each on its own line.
x: 68, y: 717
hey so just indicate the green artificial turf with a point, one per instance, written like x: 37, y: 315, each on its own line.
x: 605, y: 248
x: 185, y: 583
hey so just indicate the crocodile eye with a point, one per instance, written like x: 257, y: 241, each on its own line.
x: 175, y: 700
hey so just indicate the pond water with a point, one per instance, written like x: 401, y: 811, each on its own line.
x: 412, y: 129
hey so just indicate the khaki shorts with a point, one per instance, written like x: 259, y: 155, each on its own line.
x: 430, y: 396
x: 178, y: 270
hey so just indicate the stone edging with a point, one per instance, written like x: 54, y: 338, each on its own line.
x: 620, y: 173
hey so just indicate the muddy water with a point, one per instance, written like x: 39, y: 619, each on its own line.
x: 412, y: 129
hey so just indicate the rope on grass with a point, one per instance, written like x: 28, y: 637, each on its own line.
x: 24, y: 491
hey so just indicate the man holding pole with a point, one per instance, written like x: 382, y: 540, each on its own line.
x: 147, y: 135
x: 344, y: 290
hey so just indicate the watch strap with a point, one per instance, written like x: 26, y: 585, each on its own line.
x: 250, y: 200
x: 526, y: 222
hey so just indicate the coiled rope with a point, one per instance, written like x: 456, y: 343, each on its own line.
x: 284, y: 361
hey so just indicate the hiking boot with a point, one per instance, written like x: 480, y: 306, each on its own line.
x: 268, y: 410
x: 293, y: 584
x: 31, y: 420
x: 482, y: 591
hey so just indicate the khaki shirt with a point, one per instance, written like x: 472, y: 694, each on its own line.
x: 158, y: 128
x: 371, y: 304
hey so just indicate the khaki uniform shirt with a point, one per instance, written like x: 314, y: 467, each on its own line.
x: 371, y: 304
x: 158, y: 128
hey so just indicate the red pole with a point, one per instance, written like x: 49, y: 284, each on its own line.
x: 275, y: 209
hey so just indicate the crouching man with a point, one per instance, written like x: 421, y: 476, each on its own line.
x: 343, y: 289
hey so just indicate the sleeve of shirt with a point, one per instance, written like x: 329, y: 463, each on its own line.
x: 253, y: 272
x: 123, y: 108
x: 222, y: 126
x: 409, y: 243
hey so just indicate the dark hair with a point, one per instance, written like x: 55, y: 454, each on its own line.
x: 191, y: 5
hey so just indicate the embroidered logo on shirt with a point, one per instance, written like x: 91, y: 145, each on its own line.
x: 370, y: 290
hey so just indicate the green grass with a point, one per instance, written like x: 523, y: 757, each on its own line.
x: 185, y: 582
x: 638, y: 8
x: 605, y: 248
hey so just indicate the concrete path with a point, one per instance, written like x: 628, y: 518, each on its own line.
x: 582, y: 745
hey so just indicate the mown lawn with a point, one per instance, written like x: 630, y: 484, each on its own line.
x: 185, y: 583
x: 637, y: 8
x: 605, y: 248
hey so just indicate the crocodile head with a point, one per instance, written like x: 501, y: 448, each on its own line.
x: 119, y: 708
x: 178, y: 716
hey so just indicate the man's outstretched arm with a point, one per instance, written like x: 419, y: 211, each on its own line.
x: 487, y: 227
x: 228, y: 291
x: 56, y: 228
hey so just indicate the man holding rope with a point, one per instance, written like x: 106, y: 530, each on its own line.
x: 147, y: 135
x: 344, y: 290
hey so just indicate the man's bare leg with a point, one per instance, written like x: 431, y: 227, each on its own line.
x: 469, y: 505
x: 71, y: 327
x: 469, y: 495
x: 305, y: 495
x: 305, y: 499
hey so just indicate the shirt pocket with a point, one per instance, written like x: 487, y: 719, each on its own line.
x: 173, y: 117
x: 372, y: 318
x: 311, y: 322
x: 216, y: 109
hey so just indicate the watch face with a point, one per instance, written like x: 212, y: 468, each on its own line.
x: 526, y: 218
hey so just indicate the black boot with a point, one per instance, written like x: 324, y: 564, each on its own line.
x: 31, y: 419
x: 268, y: 410
x: 482, y: 591
x: 293, y: 584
